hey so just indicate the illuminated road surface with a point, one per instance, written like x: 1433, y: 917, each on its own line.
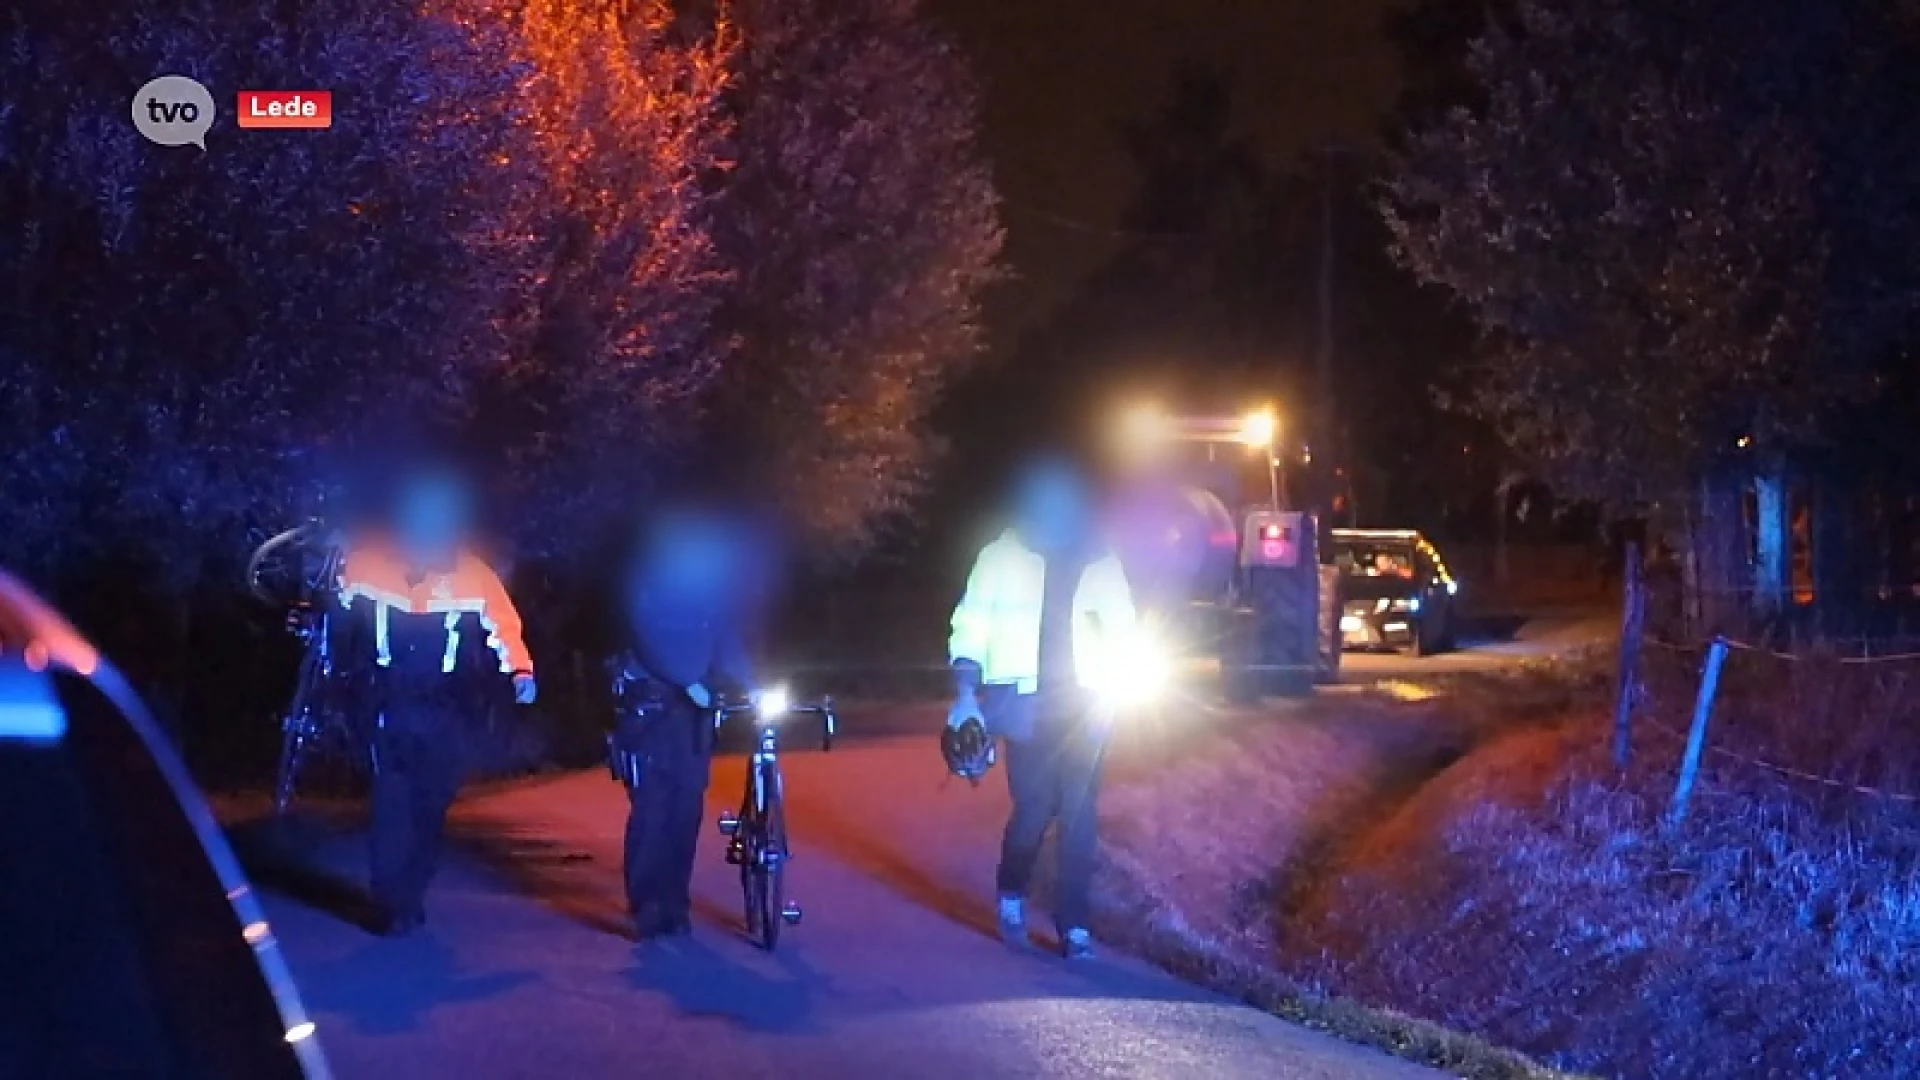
x: 1537, y: 637
x: 523, y: 970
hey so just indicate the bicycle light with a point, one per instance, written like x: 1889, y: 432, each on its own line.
x: 773, y: 703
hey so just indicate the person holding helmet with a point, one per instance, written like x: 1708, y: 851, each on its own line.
x: 1038, y: 640
x: 430, y: 629
x: 682, y: 614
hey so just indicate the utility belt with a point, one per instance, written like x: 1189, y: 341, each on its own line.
x: 639, y: 706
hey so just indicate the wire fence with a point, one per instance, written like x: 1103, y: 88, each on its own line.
x: 1823, y: 705
x: 1820, y: 654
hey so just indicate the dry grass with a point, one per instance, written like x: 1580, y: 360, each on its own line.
x: 1530, y: 895
x: 1203, y: 849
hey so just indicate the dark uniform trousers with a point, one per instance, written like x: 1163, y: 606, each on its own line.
x: 675, y: 741
x: 1055, y: 756
x: 419, y: 762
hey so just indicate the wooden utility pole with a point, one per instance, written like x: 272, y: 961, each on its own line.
x: 1324, y: 416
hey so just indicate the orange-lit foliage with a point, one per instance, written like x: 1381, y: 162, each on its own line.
x: 626, y: 113
x: 620, y: 106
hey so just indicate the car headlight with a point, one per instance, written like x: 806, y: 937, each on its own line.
x: 1405, y: 603
x: 1352, y: 624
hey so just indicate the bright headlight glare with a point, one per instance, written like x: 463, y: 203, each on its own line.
x: 1143, y: 425
x: 1259, y: 428
x: 1140, y: 673
x: 774, y: 702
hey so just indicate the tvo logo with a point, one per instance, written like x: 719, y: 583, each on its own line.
x: 173, y: 110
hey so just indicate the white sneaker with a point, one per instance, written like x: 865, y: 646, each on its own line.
x: 1079, y: 944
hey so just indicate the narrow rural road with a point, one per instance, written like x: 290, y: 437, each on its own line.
x: 1490, y: 645
x: 525, y: 970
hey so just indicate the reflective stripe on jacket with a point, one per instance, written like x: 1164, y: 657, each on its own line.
x: 470, y: 588
x: 997, y: 623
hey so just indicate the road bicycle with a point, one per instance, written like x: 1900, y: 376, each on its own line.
x: 298, y: 572
x: 757, y: 833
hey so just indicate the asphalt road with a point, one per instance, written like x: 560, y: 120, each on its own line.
x: 525, y: 970
x: 1493, y: 643
x: 1486, y: 644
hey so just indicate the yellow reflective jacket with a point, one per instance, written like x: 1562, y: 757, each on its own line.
x: 997, y: 623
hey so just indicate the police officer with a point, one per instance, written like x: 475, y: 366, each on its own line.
x: 430, y: 631
x: 1041, y: 639
x: 681, y: 616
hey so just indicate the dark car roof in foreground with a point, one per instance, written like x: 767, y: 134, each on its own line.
x: 36, y: 639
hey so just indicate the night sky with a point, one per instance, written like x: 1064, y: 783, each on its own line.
x: 1060, y: 76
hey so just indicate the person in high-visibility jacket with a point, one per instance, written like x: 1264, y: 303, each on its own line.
x: 430, y: 630
x: 1039, y: 644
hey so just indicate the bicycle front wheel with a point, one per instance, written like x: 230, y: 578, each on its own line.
x: 299, y: 727
x: 287, y: 570
x: 763, y: 873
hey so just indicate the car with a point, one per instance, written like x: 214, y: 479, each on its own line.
x: 132, y: 944
x: 1395, y: 591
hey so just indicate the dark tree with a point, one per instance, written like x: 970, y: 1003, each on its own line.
x: 507, y: 216
x: 1680, y: 226
x: 184, y: 332
x: 860, y: 220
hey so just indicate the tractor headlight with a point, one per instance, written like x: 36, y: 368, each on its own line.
x: 1143, y: 427
x: 1258, y: 428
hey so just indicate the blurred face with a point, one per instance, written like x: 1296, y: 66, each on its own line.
x: 692, y: 554
x: 1053, y: 508
x: 433, y: 514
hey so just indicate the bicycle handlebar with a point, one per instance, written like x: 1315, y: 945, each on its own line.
x: 823, y: 708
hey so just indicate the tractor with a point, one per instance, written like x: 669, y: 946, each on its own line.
x: 1219, y: 558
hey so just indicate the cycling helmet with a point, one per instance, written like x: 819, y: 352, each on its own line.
x: 969, y: 750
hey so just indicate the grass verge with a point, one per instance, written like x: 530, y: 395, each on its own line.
x: 1536, y: 897
x: 1206, y: 849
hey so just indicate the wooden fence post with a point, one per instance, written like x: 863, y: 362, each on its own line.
x: 1633, y: 622
x: 1697, y: 734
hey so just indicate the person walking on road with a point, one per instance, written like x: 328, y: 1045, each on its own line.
x: 682, y: 619
x: 430, y: 632
x: 1038, y: 645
